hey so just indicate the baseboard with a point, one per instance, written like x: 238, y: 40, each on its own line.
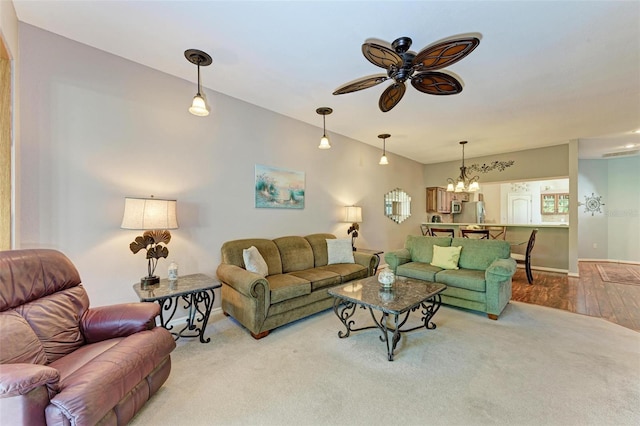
x: 632, y: 262
x: 545, y: 269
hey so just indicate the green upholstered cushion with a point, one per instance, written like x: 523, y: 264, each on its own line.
x: 418, y: 270
x: 232, y: 253
x: 479, y: 254
x: 421, y: 248
x: 348, y: 271
x: 286, y: 286
x: 469, y: 279
x: 318, y: 244
x: 446, y: 257
x: 295, y: 252
x: 319, y: 278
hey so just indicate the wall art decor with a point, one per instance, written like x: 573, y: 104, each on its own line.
x: 592, y: 203
x: 279, y: 188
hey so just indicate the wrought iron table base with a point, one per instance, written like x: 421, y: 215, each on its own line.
x: 192, y: 302
x: 344, y: 310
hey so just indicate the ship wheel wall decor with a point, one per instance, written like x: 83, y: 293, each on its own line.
x: 402, y: 65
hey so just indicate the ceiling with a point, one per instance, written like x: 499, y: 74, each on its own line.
x: 544, y: 72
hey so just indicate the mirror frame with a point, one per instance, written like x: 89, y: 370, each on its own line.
x: 397, y: 205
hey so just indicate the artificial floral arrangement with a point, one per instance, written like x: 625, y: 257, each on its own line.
x: 152, y: 241
x: 353, y: 231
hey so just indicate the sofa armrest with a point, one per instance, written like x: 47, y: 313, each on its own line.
x: 243, y: 281
x: 397, y: 257
x: 121, y: 320
x: 20, y: 379
x: 501, y: 268
x: 369, y: 261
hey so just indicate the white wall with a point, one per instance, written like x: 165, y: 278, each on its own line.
x: 97, y: 128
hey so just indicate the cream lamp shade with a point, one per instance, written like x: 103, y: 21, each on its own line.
x: 149, y: 213
x: 353, y: 214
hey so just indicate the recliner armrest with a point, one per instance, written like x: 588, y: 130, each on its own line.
x: 20, y: 379
x: 121, y: 320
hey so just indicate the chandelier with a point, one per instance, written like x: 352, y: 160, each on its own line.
x: 464, y: 183
x: 467, y: 183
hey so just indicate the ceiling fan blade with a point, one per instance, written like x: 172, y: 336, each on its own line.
x: 363, y: 83
x: 436, y: 83
x: 391, y: 96
x: 381, y: 56
x: 444, y: 54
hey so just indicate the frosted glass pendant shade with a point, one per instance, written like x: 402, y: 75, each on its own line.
x: 199, y: 106
x: 383, y: 160
x: 324, y: 143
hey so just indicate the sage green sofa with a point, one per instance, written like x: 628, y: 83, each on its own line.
x: 296, y: 285
x: 482, y: 282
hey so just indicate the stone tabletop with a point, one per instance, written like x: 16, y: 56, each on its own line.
x: 405, y: 294
x: 183, y: 285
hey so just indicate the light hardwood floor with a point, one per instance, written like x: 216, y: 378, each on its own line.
x: 588, y: 294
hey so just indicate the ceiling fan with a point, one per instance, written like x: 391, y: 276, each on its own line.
x: 402, y: 65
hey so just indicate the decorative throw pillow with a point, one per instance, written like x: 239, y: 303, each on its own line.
x: 339, y: 250
x: 254, y: 261
x: 446, y: 257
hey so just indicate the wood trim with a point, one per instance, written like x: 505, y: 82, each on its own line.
x: 5, y: 148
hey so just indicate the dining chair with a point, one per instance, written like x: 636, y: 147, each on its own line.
x: 438, y: 232
x: 480, y: 234
x: 526, y: 258
x: 424, y: 229
x: 497, y: 232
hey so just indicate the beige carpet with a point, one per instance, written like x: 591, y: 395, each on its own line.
x: 534, y: 366
x: 622, y: 273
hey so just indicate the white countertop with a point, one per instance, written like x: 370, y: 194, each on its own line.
x: 508, y: 225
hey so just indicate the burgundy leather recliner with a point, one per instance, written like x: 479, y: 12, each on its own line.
x: 64, y: 363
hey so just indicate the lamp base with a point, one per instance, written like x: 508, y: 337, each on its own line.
x: 149, y: 281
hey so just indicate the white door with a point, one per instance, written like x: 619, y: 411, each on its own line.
x: 519, y: 208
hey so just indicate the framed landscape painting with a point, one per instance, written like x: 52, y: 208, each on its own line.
x: 279, y: 188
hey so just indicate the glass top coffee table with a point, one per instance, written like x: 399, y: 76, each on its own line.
x: 405, y: 296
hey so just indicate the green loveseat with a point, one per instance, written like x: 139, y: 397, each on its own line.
x: 482, y: 282
x: 295, y: 286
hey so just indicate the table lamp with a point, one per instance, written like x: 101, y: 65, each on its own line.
x: 353, y: 214
x: 155, y: 216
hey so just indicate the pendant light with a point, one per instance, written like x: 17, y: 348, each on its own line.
x: 383, y: 159
x: 324, y: 141
x: 199, y: 104
x: 464, y: 182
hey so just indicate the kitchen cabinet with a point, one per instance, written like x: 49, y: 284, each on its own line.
x: 554, y: 203
x: 438, y: 200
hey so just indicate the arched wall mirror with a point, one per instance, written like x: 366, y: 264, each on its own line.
x: 397, y: 205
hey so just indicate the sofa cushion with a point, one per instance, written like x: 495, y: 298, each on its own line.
x: 339, y: 251
x: 318, y: 244
x: 295, y: 252
x: 446, y: 257
x: 421, y: 248
x: 469, y: 279
x: 232, y: 253
x: 479, y: 254
x: 419, y: 270
x: 348, y: 271
x: 254, y: 261
x: 287, y: 286
x: 319, y: 278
